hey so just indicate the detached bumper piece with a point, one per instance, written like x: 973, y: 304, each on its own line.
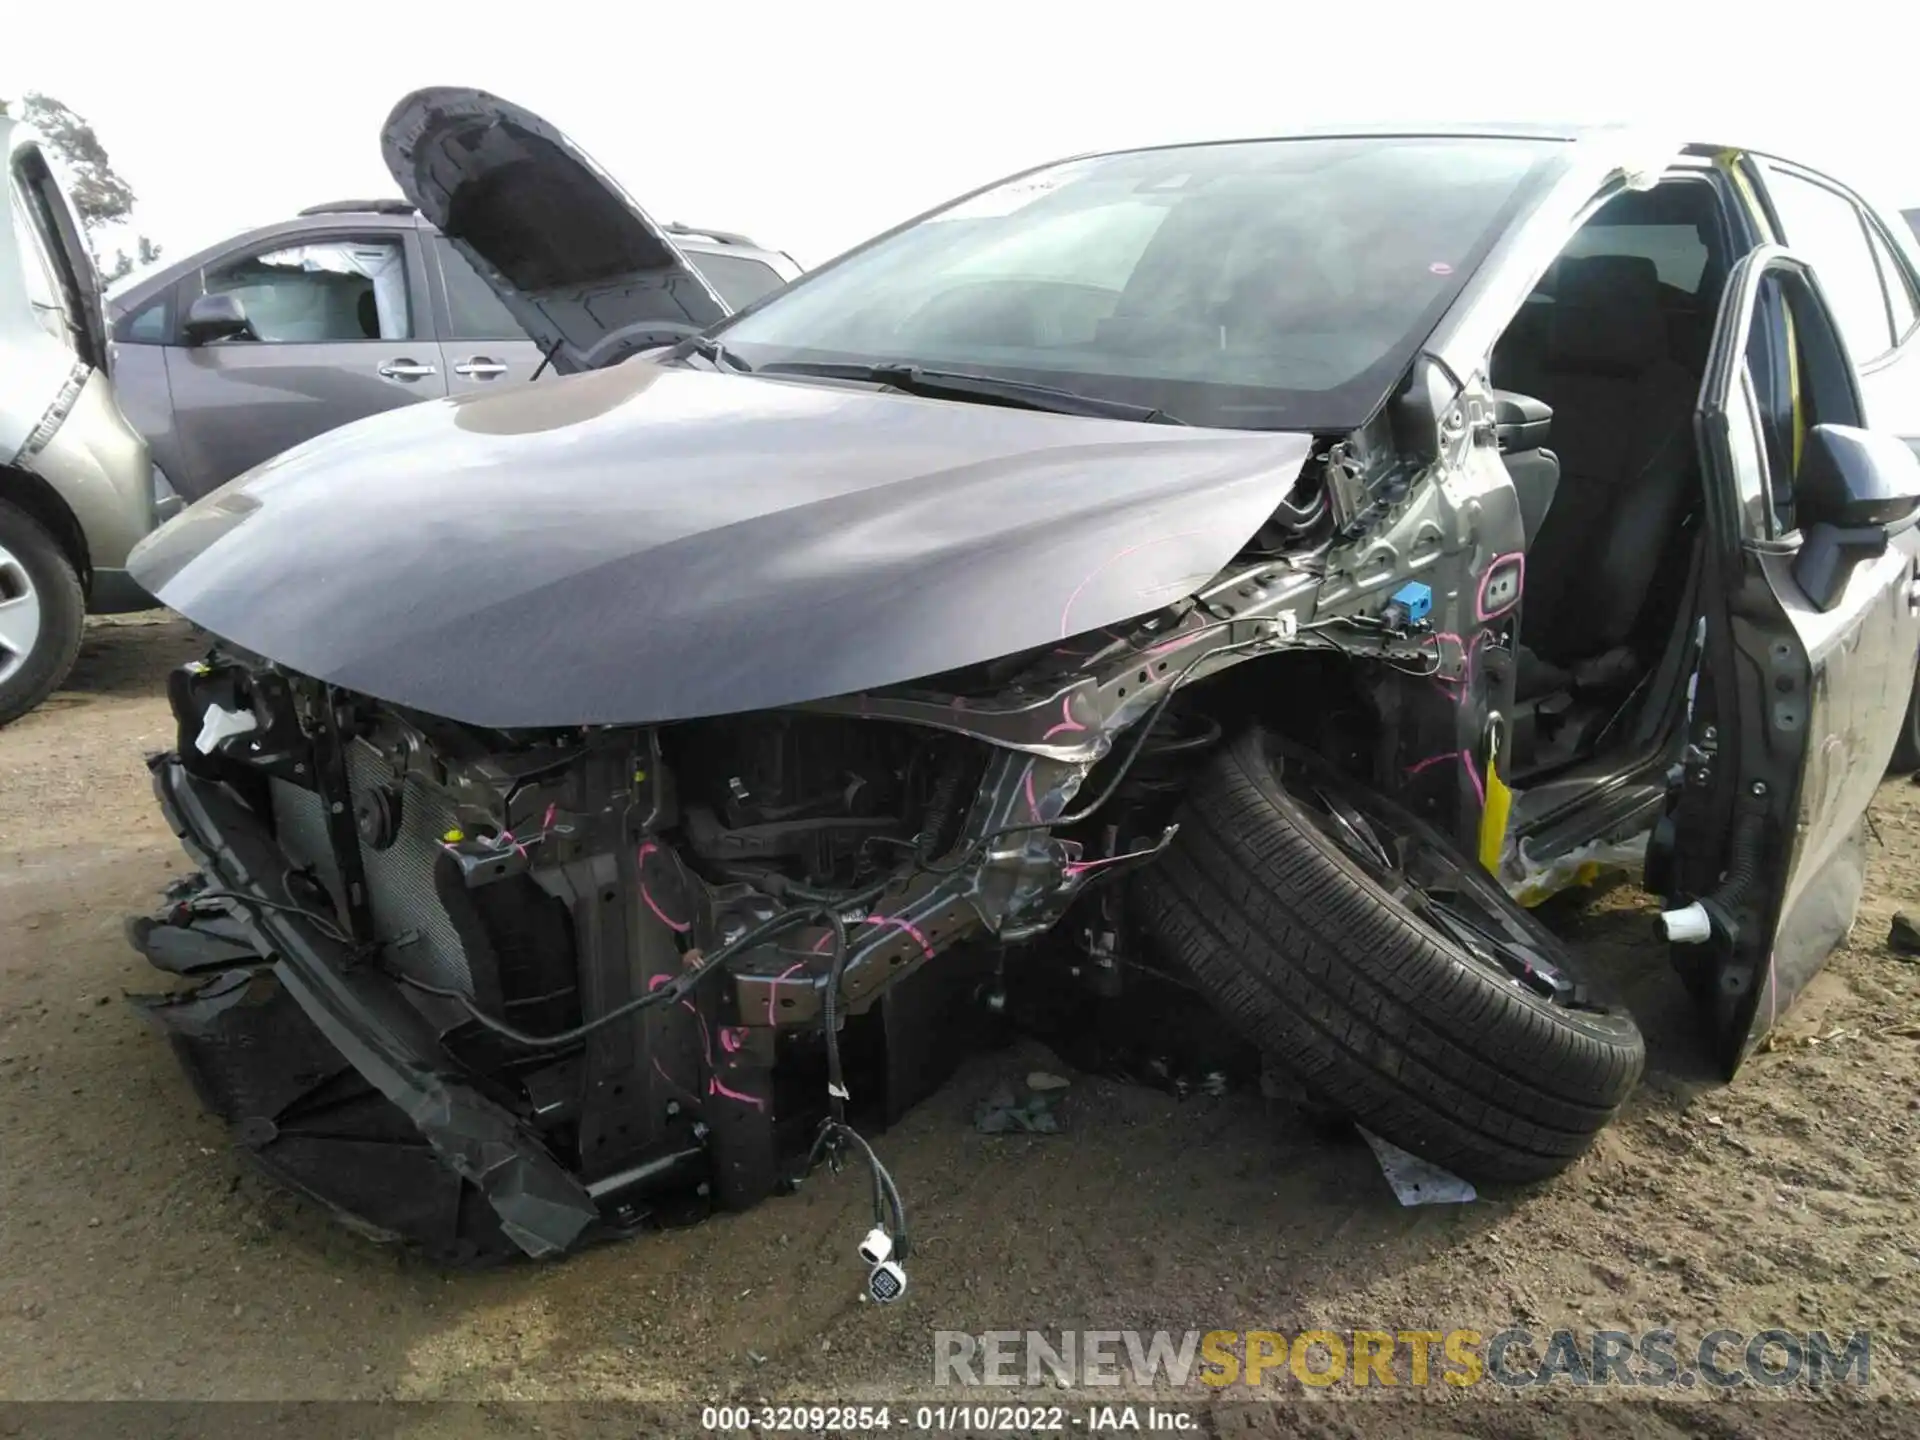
x: 332, y: 1080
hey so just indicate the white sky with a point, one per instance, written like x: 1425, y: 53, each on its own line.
x: 812, y: 126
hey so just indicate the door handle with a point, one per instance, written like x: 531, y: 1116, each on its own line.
x: 480, y: 367
x: 405, y: 370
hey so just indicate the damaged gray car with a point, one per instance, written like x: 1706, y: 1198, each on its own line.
x: 1188, y: 584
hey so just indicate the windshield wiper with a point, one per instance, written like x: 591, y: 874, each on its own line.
x: 959, y: 384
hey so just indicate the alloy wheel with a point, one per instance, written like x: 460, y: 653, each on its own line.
x: 20, y: 622
x: 1442, y: 889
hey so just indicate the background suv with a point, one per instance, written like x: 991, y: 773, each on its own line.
x: 76, y: 489
x: 346, y: 309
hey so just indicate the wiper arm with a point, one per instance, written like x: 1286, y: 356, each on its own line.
x: 1024, y: 395
x: 716, y: 354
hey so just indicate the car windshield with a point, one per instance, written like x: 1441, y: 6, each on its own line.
x: 1280, y: 284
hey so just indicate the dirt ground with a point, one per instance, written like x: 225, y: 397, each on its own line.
x: 140, y: 1258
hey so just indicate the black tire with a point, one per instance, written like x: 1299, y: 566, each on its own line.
x: 1367, y: 1000
x: 63, y: 613
x: 1906, y: 754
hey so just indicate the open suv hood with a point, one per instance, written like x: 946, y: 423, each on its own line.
x: 585, y: 271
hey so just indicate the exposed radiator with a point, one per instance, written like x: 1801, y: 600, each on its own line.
x: 400, y: 890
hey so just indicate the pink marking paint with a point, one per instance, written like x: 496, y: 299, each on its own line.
x: 1473, y: 774
x: 657, y: 981
x: 661, y: 1070
x: 1033, y: 801
x: 1773, y: 992
x: 1068, y: 725
x: 1464, y: 680
x: 706, y: 1045
x: 1520, y: 584
x: 546, y: 821
x: 773, y: 989
x: 1466, y: 760
x: 714, y: 1087
x: 1066, y: 610
x: 679, y: 927
x: 1080, y: 867
x: 732, y: 1037
x: 893, y: 922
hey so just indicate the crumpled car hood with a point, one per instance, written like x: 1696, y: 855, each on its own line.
x: 645, y: 543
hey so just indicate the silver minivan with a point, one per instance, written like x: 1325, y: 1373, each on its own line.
x: 77, y: 489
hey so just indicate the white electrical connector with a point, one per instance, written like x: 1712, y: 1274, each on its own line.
x: 877, y: 1248
x: 219, y: 723
x: 887, y: 1283
x: 1689, y: 925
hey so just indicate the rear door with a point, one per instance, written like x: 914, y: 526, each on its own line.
x: 341, y: 331
x: 481, y: 345
x: 1869, y: 282
x: 1801, y: 693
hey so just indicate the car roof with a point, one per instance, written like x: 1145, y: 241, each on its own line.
x: 355, y: 214
x: 394, y: 213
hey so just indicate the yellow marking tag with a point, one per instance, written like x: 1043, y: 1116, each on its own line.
x: 1499, y: 804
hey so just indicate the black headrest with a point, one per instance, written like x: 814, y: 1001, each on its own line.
x: 368, y: 313
x: 1607, y: 318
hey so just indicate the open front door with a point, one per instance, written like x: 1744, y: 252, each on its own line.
x: 1810, y: 628
x: 52, y: 331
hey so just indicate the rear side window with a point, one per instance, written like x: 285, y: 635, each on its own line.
x: 474, y: 312
x: 1826, y: 227
x: 738, y: 280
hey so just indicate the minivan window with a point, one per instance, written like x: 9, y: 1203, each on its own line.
x: 1826, y: 228
x: 738, y: 280
x: 474, y: 311
x: 1263, y: 284
x: 321, y: 291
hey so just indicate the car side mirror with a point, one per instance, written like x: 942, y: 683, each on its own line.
x: 217, y: 317
x: 1851, y: 478
x: 1853, y: 488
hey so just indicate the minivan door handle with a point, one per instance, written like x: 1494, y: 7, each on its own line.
x: 405, y: 370
x: 480, y: 367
